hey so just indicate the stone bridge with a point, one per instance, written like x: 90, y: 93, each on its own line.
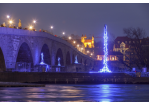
x: 18, y: 45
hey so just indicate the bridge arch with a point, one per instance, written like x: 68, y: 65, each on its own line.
x: 81, y: 60
x: 68, y: 60
x: 2, y: 61
x: 24, y: 54
x: 59, y: 54
x: 46, y: 54
x: 85, y: 62
x: 73, y: 58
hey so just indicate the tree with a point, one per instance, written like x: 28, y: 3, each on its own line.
x: 137, y: 52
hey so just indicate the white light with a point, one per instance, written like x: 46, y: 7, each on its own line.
x: 51, y: 27
x: 87, y: 51
x: 91, y: 54
x: 81, y: 48
x: 78, y: 45
x: 34, y: 21
x: 8, y: 16
x: 74, y: 41
x: 63, y: 33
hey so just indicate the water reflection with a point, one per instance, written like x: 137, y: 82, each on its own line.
x: 77, y: 93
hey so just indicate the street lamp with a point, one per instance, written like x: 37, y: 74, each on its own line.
x: 74, y: 42
x: 87, y: 51
x: 34, y: 21
x: 51, y: 29
x: 78, y: 45
x: 69, y: 38
x: 30, y: 27
x: 63, y: 33
x: 8, y: 16
x: 10, y: 22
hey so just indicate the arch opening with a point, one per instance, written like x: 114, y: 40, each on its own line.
x: 59, y: 54
x: 68, y: 58
x: 73, y: 58
x: 46, y: 54
x: 24, y: 61
x: 2, y: 61
x: 81, y: 60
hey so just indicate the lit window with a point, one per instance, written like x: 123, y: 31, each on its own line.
x: 107, y: 58
x: 97, y: 57
x: 115, y: 58
x: 100, y: 58
x: 112, y: 58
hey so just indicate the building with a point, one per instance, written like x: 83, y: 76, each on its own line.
x: 121, y: 44
x: 88, y: 43
x: 113, y: 60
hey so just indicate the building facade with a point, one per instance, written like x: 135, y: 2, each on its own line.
x: 88, y: 43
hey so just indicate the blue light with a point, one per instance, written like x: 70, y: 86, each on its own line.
x: 42, y: 62
x: 76, y: 60
x: 105, y: 68
x: 59, y: 61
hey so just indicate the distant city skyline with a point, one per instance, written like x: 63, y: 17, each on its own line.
x: 78, y: 19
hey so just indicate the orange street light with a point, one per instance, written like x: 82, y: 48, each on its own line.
x: 69, y: 37
x: 30, y: 27
x: 10, y: 21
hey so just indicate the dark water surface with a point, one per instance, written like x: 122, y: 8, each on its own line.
x: 77, y: 93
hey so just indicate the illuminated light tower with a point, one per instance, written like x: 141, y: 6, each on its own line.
x: 105, y: 68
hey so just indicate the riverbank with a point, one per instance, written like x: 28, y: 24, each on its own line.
x: 17, y: 84
x: 71, y: 78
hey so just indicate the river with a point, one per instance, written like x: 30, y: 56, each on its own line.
x: 77, y: 93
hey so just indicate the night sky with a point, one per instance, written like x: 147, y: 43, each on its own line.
x: 81, y: 18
